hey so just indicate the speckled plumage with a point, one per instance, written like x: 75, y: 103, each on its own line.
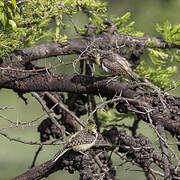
x: 115, y: 64
x: 80, y: 141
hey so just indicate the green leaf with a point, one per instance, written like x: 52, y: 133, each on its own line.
x: 14, y: 3
x: 1, y: 4
x: 57, y: 32
x: 126, y: 16
x: 3, y: 18
x: 176, y: 36
x: 9, y: 9
x: 13, y: 25
x: 176, y: 29
x: 169, y: 32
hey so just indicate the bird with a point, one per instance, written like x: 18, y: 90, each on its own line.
x: 80, y: 141
x: 115, y: 64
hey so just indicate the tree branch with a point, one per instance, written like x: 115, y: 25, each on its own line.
x: 78, y: 45
x: 102, y: 86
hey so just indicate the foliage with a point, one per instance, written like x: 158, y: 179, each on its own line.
x: 28, y: 23
x: 109, y: 117
x: 162, y: 67
x: 7, y: 9
x: 123, y: 26
x: 47, y: 21
x: 169, y: 32
x: 159, y: 75
x: 105, y: 116
x: 163, y: 60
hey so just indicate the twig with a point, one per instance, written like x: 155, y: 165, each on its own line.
x: 102, y: 166
x: 83, y: 52
x: 159, y: 129
x: 74, y: 24
x: 76, y: 61
x: 148, y: 174
x: 123, y: 157
x: 149, y: 84
x: 42, y: 102
x: 36, y: 155
x: 160, y: 136
x: 29, y: 142
x: 157, y: 172
x: 5, y: 108
x: 61, y: 105
x: 18, y: 123
x: 165, y: 153
x: 35, y: 70
x: 93, y: 103
x: 112, y: 101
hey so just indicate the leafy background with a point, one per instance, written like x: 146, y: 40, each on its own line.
x: 16, y: 157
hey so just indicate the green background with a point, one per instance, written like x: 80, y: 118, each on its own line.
x: 15, y: 158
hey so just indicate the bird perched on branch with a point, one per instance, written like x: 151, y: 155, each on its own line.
x: 81, y: 140
x: 115, y: 64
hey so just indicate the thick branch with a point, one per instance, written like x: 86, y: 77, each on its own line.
x: 70, y: 161
x: 65, y: 83
x: 103, y: 41
x: 37, y: 172
x: 165, y: 152
x: 138, y: 150
x: 102, y: 86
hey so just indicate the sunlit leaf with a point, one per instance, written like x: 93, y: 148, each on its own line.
x: 3, y: 18
x: 1, y: 4
x: 57, y: 32
x: 13, y: 25
x: 9, y: 9
x: 14, y: 3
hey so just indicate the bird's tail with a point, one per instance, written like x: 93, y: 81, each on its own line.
x: 59, y: 154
